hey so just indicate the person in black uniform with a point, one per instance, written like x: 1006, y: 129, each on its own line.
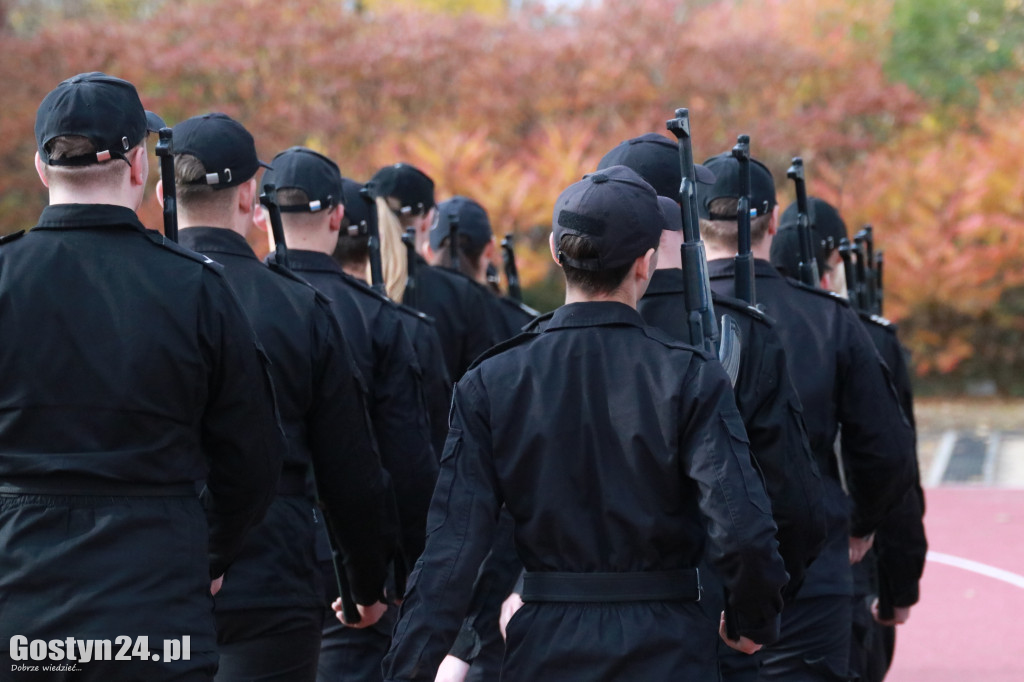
x: 475, y: 253
x: 616, y: 479
x: 269, y: 616
x: 405, y: 199
x: 310, y: 192
x: 891, y: 570
x: 765, y: 395
x: 352, y: 253
x: 478, y: 650
x: 130, y: 376
x: 841, y: 381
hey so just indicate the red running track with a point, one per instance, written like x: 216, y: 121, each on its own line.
x: 968, y: 627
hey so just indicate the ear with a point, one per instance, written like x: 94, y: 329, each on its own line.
x: 428, y: 253
x: 160, y: 194
x: 487, y: 255
x: 337, y: 213
x: 139, y: 171
x: 246, y: 196
x: 554, y: 251
x: 260, y: 218
x: 41, y: 171
x: 773, y: 226
x: 645, y: 265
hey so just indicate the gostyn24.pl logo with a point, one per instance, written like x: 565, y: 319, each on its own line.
x: 72, y: 651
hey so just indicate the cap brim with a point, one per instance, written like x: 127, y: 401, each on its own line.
x: 705, y: 175
x: 153, y: 122
x: 265, y: 164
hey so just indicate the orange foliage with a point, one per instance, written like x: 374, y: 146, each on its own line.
x: 510, y: 108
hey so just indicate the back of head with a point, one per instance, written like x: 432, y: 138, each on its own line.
x: 655, y: 158
x: 402, y: 193
x: 718, y: 202
x: 474, y: 233
x: 87, y: 126
x: 827, y: 229
x: 359, y: 222
x: 213, y: 155
x: 602, y: 224
x: 307, y: 183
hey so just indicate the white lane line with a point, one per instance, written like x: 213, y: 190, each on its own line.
x: 977, y: 567
x: 943, y: 453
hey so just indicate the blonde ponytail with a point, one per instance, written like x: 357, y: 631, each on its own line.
x: 393, y: 256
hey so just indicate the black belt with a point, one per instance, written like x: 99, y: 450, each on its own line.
x: 677, y: 585
x: 73, y: 486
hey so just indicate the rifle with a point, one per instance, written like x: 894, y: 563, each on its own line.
x: 808, y: 265
x: 853, y: 291
x: 373, y: 245
x: 867, y: 237
x: 268, y: 199
x: 880, y: 289
x: 700, y: 313
x: 744, y: 274
x: 861, y: 271
x: 165, y: 150
x: 453, y: 239
x: 409, y: 239
x: 508, y: 257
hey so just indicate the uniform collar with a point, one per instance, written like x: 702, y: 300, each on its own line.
x: 726, y: 267
x: 208, y: 240
x: 64, y: 216
x: 311, y: 261
x: 594, y: 314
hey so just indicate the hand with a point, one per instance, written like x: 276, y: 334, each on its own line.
x: 743, y: 644
x: 900, y: 615
x: 216, y: 584
x: 368, y: 615
x: 508, y: 609
x: 859, y: 547
x: 452, y: 669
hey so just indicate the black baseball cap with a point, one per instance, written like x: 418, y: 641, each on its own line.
x: 727, y: 185
x: 656, y: 159
x: 616, y: 210
x: 673, y: 213
x: 411, y: 186
x: 224, y: 147
x: 360, y: 209
x: 823, y: 217
x: 104, y: 109
x: 473, y: 222
x: 313, y: 173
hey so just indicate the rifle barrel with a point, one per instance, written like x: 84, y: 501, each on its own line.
x: 165, y: 151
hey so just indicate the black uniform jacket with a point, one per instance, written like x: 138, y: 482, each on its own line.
x: 771, y: 413
x: 387, y: 361
x: 323, y: 412
x: 615, y: 449
x: 129, y: 371
x: 459, y: 308
x: 840, y: 380
x: 513, y: 316
x: 900, y: 543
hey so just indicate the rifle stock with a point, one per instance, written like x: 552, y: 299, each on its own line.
x: 165, y: 151
x: 508, y: 257
x: 700, y: 313
x: 268, y: 199
x: 808, y: 265
x: 409, y: 239
x: 744, y: 272
x: 373, y: 245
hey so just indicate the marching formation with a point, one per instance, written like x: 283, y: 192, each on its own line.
x: 357, y: 460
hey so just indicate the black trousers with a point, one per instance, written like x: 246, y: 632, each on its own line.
x: 814, y: 645
x: 350, y: 655
x: 268, y: 645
